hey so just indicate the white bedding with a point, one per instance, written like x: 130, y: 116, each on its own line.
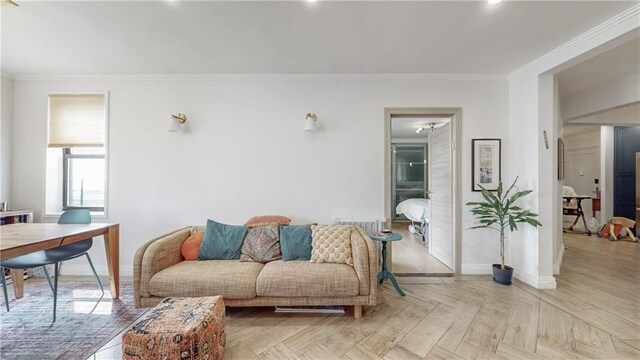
x: 414, y: 209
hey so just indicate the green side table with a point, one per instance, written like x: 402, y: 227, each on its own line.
x: 385, y: 274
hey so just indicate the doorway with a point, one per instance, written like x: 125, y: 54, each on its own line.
x: 420, y: 190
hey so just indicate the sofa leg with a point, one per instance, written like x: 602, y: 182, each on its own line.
x: 357, y: 311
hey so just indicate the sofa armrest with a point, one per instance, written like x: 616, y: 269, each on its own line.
x: 155, y: 255
x: 365, y: 263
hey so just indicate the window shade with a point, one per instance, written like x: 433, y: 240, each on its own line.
x: 76, y: 120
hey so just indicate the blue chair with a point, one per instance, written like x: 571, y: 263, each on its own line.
x: 54, y: 256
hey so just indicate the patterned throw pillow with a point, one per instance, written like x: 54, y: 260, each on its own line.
x: 331, y: 244
x: 262, y: 244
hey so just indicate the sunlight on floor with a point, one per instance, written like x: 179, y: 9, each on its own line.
x: 411, y: 256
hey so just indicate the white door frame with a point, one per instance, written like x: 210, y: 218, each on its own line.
x: 456, y: 207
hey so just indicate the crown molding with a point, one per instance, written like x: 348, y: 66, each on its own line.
x: 7, y: 75
x: 620, y: 18
x: 241, y: 77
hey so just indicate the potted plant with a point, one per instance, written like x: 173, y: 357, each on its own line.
x: 497, y: 212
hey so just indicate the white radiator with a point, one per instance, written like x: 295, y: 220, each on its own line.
x: 369, y: 226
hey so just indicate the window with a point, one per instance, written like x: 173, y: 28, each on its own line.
x: 76, y: 154
x: 83, y: 179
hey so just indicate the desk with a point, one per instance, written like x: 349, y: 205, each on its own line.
x: 576, y: 211
x: 385, y: 274
x: 24, y: 238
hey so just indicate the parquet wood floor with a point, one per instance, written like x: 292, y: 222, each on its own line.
x: 594, y: 313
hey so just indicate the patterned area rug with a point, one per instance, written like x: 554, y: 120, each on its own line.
x: 85, y: 320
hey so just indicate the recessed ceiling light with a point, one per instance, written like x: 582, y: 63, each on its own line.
x: 491, y: 2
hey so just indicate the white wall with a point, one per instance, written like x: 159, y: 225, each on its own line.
x: 531, y: 113
x: 606, y: 171
x: 246, y: 152
x: 6, y: 93
x: 582, y: 153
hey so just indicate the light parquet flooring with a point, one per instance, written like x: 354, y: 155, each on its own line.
x: 594, y: 314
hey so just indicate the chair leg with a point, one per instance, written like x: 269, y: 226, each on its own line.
x: 4, y: 289
x: 55, y: 290
x: 94, y: 272
x: 46, y: 274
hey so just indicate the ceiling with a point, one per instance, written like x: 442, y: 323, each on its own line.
x: 572, y: 130
x: 405, y: 127
x: 292, y: 37
x: 612, y: 65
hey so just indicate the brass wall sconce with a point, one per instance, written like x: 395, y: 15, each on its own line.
x: 310, y: 125
x: 176, y: 122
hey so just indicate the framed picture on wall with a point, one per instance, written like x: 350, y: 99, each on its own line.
x: 485, y: 164
x: 560, y: 159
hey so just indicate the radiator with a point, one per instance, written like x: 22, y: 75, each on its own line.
x: 369, y: 226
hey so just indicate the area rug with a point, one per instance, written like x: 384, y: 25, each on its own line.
x: 86, y: 320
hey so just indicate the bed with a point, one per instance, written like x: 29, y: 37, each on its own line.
x: 416, y: 210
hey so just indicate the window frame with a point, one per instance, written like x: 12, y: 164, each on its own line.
x: 104, y: 214
x: 66, y: 156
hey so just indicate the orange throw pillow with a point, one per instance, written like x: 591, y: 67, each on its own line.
x: 191, y: 246
x: 282, y: 220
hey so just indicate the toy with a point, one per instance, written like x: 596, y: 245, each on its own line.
x: 618, y: 228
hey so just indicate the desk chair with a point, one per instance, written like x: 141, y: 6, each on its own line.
x: 572, y: 206
x: 54, y: 256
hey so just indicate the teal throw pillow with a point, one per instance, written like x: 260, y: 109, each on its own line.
x: 221, y: 241
x: 295, y: 242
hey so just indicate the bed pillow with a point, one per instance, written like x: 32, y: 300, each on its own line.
x: 331, y: 244
x: 221, y: 241
x: 262, y: 244
x: 265, y: 219
x: 191, y: 246
x: 295, y: 241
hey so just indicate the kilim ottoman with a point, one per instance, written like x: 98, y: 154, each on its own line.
x: 178, y: 328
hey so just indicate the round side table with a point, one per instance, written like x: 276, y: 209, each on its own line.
x: 385, y: 274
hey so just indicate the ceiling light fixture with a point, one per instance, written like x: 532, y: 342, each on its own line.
x: 419, y: 130
x: 432, y: 126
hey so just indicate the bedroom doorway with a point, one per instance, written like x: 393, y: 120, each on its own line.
x: 419, y: 194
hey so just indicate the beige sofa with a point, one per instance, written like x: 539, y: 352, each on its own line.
x: 160, y: 271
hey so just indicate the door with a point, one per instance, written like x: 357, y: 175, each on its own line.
x: 582, y: 168
x: 626, y: 143
x: 440, y: 188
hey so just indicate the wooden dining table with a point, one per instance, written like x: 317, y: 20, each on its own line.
x: 24, y: 238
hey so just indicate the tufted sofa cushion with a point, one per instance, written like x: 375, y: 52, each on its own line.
x: 331, y: 244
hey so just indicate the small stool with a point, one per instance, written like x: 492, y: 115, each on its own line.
x: 178, y: 328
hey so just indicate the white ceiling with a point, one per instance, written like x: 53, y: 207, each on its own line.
x: 405, y: 127
x: 572, y: 130
x: 612, y: 65
x: 294, y: 37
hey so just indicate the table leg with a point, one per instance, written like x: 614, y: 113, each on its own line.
x: 395, y: 283
x: 112, y: 248
x: 17, y: 277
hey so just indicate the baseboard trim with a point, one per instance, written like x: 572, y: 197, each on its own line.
x: 476, y: 269
x: 546, y: 282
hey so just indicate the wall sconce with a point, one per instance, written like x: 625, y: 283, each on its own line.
x: 310, y: 125
x: 176, y: 122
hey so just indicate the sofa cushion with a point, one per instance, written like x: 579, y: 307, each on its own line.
x: 191, y: 246
x: 299, y: 278
x: 262, y: 244
x: 295, y: 241
x: 282, y: 220
x: 331, y: 244
x: 230, y: 278
x: 221, y: 241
